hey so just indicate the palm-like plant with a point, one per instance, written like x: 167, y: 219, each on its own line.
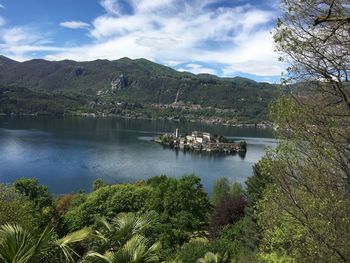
x: 17, y: 245
x: 135, y: 250
x: 65, y: 243
x: 210, y: 257
x: 124, y: 227
x: 124, y: 241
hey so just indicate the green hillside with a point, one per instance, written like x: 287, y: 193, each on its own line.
x: 140, y: 86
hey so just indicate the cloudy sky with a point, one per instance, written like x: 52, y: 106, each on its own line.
x: 221, y: 37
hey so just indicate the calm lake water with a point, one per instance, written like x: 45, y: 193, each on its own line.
x: 68, y: 154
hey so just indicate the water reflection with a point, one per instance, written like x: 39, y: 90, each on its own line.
x: 205, y: 155
x: 67, y: 154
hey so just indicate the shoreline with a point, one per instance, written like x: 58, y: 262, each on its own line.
x: 227, y: 123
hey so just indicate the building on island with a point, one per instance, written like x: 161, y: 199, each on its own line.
x: 201, y: 141
x: 199, y: 137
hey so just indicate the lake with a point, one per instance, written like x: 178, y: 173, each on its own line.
x: 68, y: 154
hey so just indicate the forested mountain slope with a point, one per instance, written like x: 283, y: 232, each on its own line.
x: 103, y: 84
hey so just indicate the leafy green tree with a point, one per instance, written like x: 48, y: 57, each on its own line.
x: 106, y: 202
x: 16, y: 208
x: 304, y: 213
x: 182, y: 205
x: 195, y: 249
x: 258, y: 182
x: 39, y: 194
x: 236, y: 190
x: 32, y: 188
x: 97, y: 184
x: 242, y: 239
x: 247, y: 230
x: 221, y: 188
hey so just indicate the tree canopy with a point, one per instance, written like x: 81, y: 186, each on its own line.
x: 304, y: 213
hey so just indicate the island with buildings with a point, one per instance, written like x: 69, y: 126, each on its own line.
x: 202, y: 142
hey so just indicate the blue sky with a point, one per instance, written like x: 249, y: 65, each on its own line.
x: 222, y: 37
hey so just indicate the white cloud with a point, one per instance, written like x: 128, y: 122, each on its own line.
x: 172, y: 63
x: 2, y: 21
x: 16, y: 42
x: 2, y: 6
x: 22, y: 35
x: 15, y: 35
x: 146, y: 6
x: 198, y: 69
x: 110, y: 49
x: 75, y: 24
x: 112, y: 7
x: 175, y: 32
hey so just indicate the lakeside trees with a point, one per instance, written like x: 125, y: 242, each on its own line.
x: 163, y: 219
x: 305, y: 213
x: 248, y: 222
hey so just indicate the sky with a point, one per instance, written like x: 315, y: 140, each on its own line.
x: 227, y: 38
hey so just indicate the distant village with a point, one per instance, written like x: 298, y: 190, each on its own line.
x: 202, y: 142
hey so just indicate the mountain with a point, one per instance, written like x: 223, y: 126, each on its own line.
x: 6, y: 62
x: 100, y: 85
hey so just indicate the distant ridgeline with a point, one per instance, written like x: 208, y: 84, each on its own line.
x: 202, y: 142
x: 129, y: 88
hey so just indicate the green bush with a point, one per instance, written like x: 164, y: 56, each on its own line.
x: 107, y: 202
x: 16, y: 208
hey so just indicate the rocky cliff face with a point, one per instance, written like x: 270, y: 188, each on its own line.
x: 119, y: 83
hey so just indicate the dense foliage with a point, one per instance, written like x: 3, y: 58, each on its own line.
x: 106, y: 202
x: 304, y: 213
x: 162, y: 219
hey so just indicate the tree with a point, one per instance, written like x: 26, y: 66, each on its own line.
x: 316, y: 48
x: 20, y: 246
x: 31, y: 188
x: 221, y: 188
x: 106, y: 202
x: 330, y: 17
x: 97, y: 184
x: 304, y: 213
x: 123, y: 240
x: 229, y: 204
x: 16, y: 208
x: 258, y: 182
x: 182, y: 205
x: 229, y: 210
x: 39, y: 195
x: 196, y: 249
x: 236, y: 190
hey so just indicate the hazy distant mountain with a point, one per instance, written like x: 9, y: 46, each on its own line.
x: 6, y: 62
x: 134, y: 81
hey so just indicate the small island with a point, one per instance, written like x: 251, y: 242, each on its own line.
x: 202, y: 142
